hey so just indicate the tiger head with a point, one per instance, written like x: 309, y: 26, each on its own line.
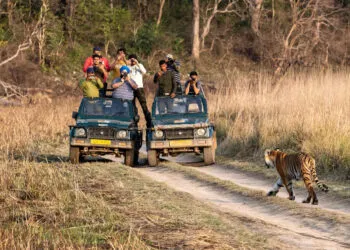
x: 270, y: 157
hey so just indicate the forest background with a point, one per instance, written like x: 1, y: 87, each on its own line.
x: 275, y: 71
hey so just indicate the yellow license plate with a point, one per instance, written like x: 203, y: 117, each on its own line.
x: 100, y: 142
x: 180, y: 143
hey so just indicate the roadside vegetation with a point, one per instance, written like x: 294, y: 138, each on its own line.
x: 302, y: 112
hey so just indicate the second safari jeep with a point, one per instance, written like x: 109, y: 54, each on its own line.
x: 181, y: 125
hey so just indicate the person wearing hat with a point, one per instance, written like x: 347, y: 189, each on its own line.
x: 174, y: 66
x: 124, y: 86
x: 193, y: 86
x: 89, y: 61
x: 91, y: 85
x: 136, y: 73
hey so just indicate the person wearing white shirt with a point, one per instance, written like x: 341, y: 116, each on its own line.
x: 136, y: 73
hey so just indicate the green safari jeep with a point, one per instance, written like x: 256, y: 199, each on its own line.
x: 181, y: 125
x: 105, y: 126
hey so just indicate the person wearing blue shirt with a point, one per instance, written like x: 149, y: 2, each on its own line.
x: 124, y: 86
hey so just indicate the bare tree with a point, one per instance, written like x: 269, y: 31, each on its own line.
x: 255, y: 12
x: 160, y: 12
x: 12, y: 90
x: 196, y: 41
x: 41, y: 32
x: 212, y: 11
x: 310, y: 22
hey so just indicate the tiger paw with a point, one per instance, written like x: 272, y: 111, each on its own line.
x: 292, y: 198
x: 307, y: 200
x: 272, y: 193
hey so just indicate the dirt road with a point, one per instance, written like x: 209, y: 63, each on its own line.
x: 301, y: 232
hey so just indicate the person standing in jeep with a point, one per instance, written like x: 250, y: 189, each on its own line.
x: 165, y: 80
x: 91, y: 85
x: 89, y: 61
x: 136, y: 73
x: 124, y: 86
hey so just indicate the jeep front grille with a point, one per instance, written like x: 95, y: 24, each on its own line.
x: 101, y: 133
x: 179, y: 134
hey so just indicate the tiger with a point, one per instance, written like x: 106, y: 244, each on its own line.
x: 293, y: 167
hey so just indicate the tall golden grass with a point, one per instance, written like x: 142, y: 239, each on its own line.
x: 304, y: 111
x: 25, y: 128
x: 49, y: 205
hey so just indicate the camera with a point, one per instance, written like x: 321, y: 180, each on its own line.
x: 124, y: 75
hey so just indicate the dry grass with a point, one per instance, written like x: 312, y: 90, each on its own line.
x: 25, y: 128
x: 308, y: 112
x: 46, y: 202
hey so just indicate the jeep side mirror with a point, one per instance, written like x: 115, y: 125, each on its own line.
x: 75, y: 115
x: 137, y: 118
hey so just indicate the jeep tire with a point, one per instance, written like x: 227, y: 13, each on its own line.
x: 209, y: 155
x: 153, y: 158
x: 74, y: 155
x: 129, y: 157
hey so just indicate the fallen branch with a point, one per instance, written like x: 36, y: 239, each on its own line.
x: 11, y: 90
x: 26, y: 45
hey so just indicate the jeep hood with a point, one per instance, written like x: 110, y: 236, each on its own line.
x: 103, y: 123
x: 181, y: 121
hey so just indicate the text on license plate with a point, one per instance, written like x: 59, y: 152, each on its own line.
x: 181, y: 143
x: 100, y: 142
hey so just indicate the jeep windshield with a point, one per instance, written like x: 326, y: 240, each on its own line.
x: 111, y: 107
x: 179, y: 105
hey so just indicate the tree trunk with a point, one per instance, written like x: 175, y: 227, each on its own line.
x: 41, y: 35
x: 160, y: 12
x: 196, y: 42
x: 255, y: 9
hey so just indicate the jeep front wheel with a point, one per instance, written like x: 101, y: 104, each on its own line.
x: 153, y: 158
x: 209, y: 155
x: 74, y: 155
x: 129, y: 157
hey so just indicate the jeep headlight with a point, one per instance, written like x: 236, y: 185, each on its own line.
x: 122, y: 134
x: 201, y: 132
x: 79, y: 132
x: 158, y: 133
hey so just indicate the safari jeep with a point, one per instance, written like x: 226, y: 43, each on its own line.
x: 105, y: 126
x: 181, y: 125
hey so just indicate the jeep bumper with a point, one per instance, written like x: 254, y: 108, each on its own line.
x: 84, y: 142
x: 183, y: 143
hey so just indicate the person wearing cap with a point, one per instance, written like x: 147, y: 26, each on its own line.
x: 136, y: 73
x: 89, y: 61
x: 193, y: 86
x: 124, y: 86
x: 91, y: 85
x: 119, y: 61
x: 165, y: 80
x: 174, y: 66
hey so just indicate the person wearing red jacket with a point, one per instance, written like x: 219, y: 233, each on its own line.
x: 89, y: 62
